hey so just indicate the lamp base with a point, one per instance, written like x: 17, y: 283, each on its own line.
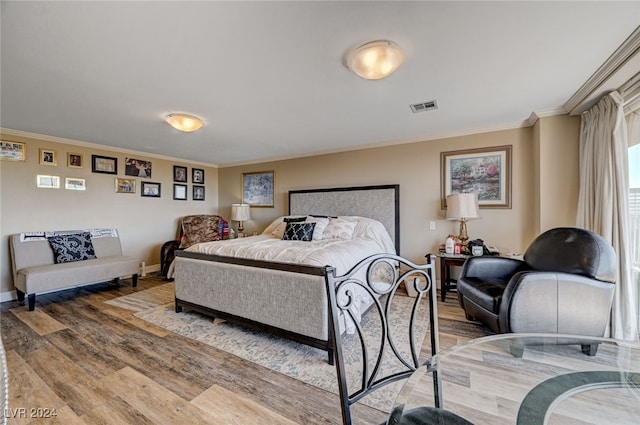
x: 464, y: 237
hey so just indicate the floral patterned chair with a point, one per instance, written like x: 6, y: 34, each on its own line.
x: 193, y: 229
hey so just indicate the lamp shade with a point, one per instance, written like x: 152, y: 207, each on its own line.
x: 240, y: 212
x: 375, y: 60
x: 184, y: 122
x: 462, y: 206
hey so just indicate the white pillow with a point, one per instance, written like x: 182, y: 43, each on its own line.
x: 321, y: 224
x: 339, y: 229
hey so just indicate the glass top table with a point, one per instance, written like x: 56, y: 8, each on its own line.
x: 553, y: 382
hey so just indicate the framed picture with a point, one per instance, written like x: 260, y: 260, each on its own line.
x: 48, y: 157
x: 137, y: 167
x: 104, y: 164
x: 180, y: 192
x: 257, y: 189
x: 72, y: 183
x: 15, y: 151
x: 47, y: 182
x: 149, y: 189
x: 74, y: 160
x: 197, y: 175
x: 179, y: 174
x: 486, y: 171
x: 198, y: 193
x: 125, y: 185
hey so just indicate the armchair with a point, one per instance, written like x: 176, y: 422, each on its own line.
x: 564, y: 285
x: 193, y: 229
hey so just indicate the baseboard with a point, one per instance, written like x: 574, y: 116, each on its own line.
x: 11, y: 295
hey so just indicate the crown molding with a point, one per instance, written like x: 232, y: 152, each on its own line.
x: 55, y: 139
x: 613, y: 66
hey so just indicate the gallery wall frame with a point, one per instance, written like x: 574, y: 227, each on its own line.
x: 198, y: 193
x: 179, y: 174
x: 48, y: 157
x: 151, y: 189
x: 47, y: 182
x: 104, y: 164
x: 72, y: 183
x: 197, y: 175
x: 125, y: 185
x: 180, y: 192
x: 74, y: 160
x: 137, y: 167
x: 13, y: 151
x: 486, y: 171
x: 258, y: 188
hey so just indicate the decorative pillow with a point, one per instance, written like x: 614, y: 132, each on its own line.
x: 294, y: 219
x: 339, y: 229
x: 321, y: 224
x: 73, y: 247
x: 278, y: 231
x: 299, y: 232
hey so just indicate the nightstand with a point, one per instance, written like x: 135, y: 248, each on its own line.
x: 446, y: 262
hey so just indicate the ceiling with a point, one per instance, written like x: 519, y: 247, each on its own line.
x: 268, y: 77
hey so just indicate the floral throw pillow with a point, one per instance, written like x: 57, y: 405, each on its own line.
x: 339, y: 229
x: 70, y: 248
x: 299, y: 232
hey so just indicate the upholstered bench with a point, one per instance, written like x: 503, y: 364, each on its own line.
x: 48, y: 261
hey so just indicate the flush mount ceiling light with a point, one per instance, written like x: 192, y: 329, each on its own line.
x: 184, y: 122
x: 375, y: 60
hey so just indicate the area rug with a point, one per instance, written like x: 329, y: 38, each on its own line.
x: 296, y: 360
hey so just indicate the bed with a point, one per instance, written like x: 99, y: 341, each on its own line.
x: 278, y: 285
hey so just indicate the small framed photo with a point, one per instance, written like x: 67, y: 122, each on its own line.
x: 47, y: 182
x: 179, y: 174
x: 15, y: 151
x: 137, y: 167
x: 197, y: 175
x: 48, y: 157
x: 150, y: 189
x: 257, y: 189
x: 72, y: 183
x: 74, y: 160
x: 125, y: 185
x: 104, y: 164
x: 180, y: 192
x: 198, y: 193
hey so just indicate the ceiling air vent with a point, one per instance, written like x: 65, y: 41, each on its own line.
x: 424, y: 106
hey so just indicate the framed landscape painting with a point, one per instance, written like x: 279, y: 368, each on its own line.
x: 257, y: 189
x: 486, y: 171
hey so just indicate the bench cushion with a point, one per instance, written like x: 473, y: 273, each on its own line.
x: 56, y: 276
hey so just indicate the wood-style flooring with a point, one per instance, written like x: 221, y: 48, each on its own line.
x: 92, y: 363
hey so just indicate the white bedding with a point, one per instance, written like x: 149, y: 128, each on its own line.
x: 369, y: 237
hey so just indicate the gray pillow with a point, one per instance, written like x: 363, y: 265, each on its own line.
x: 73, y: 247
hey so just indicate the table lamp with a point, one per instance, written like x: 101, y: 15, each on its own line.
x: 463, y: 207
x: 240, y: 213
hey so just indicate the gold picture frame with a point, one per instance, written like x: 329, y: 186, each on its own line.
x: 13, y: 151
x: 74, y: 160
x: 125, y: 185
x: 48, y: 157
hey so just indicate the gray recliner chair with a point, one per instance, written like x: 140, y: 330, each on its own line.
x: 565, y: 285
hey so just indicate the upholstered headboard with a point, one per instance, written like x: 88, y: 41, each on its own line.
x: 381, y: 203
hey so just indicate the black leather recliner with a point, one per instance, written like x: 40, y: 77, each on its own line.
x: 565, y: 285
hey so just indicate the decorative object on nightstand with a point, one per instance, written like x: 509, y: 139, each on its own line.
x: 463, y: 207
x: 240, y: 213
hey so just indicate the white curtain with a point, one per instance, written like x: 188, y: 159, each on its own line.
x: 604, y: 198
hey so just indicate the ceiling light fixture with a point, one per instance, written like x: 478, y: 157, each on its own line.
x: 375, y: 60
x: 184, y: 122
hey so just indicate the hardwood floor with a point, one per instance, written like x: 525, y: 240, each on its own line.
x: 93, y: 363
